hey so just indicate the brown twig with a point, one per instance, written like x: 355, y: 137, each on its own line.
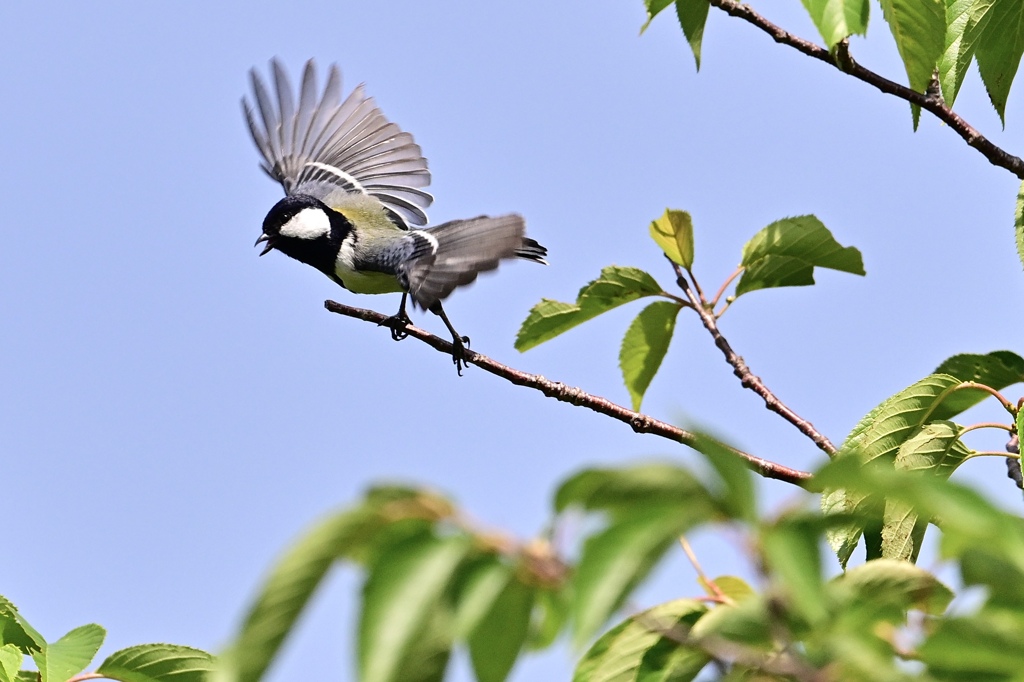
x: 641, y: 423
x: 844, y: 61
x: 743, y: 373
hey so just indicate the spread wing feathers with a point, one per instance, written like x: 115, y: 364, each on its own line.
x: 321, y: 146
x: 465, y: 248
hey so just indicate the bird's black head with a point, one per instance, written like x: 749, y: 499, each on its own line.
x: 306, y: 229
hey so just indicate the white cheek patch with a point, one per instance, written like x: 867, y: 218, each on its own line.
x: 309, y: 223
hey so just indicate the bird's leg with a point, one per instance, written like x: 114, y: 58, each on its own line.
x: 399, y: 321
x: 459, y: 343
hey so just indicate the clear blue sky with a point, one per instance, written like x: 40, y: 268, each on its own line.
x: 174, y: 409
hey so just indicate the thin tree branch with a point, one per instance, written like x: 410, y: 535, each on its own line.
x: 844, y: 61
x: 641, y: 423
x: 743, y: 373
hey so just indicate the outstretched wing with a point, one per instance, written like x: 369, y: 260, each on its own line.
x: 325, y: 146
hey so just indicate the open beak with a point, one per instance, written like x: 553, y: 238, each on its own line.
x: 270, y: 244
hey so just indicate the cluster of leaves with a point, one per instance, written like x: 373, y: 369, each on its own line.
x: 65, y: 658
x: 912, y: 431
x: 782, y: 254
x: 936, y: 39
x: 865, y: 624
x: 433, y: 583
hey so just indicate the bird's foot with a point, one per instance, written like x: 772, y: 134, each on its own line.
x: 459, y: 346
x: 397, y: 324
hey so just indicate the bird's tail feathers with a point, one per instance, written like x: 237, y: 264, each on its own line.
x: 465, y: 248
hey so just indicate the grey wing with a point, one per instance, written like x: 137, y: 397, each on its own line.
x: 323, y: 146
x: 458, y: 251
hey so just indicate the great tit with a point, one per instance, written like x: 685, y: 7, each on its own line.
x: 354, y: 201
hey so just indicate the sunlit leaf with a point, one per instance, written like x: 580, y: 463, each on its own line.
x: 934, y: 450
x: 68, y: 656
x: 838, y: 19
x: 673, y: 232
x: 616, y: 286
x: 495, y: 644
x: 10, y: 662
x: 786, y: 252
x: 615, y: 560
x: 999, y: 49
x: 426, y: 658
x: 919, y: 28
x: 647, y: 647
x: 158, y: 663
x: 14, y: 629
x: 997, y: 369
x: 645, y: 345
x: 878, y: 436
x: 733, y: 587
x: 965, y: 20
x: 693, y: 14
x: 403, y: 589
x: 480, y: 585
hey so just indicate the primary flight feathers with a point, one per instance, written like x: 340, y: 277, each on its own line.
x: 323, y: 144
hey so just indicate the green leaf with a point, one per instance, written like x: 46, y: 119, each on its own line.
x: 969, y: 521
x: 10, y: 662
x: 626, y: 488
x: 732, y: 587
x: 480, y: 585
x: 426, y: 659
x: 14, y: 629
x: 919, y: 27
x: 158, y: 663
x: 786, y: 252
x: 646, y: 647
x: 693, y: 14
x: 654, y: 7
x: 976, y: 647
x: 1018, y: 223
x: 965, y: 20
x: 403, y: 588
x: 997, y: 370
x: 673, y: 232
x: 735, y: 492
x: 838, y: 19
x: 616, y: 286
x: 878, y: 437
x: 790, y: 547
x: 644, y: 347
x: 495, y: 644
x: 746, y: 622
x: 68, y: 656
x: 935, y: 449
x: 552, y: 615
x: 615, y: 560
x: 887, y: 588
x: 291, y: 583
x: 999, y: 50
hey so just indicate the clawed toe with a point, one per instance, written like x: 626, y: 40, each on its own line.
x: 397, y: 323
